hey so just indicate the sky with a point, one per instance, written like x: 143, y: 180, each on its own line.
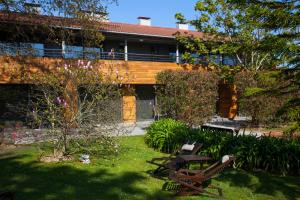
x: 161, y: 11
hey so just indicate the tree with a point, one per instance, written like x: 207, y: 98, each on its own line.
x: 74, y: 99
x: 282, y: 18
x: 262, y: 34
x: 49, y: 24
x: 231, y: 29
x: 77, y: 100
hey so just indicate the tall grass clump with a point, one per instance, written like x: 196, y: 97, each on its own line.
x: 166, y: 135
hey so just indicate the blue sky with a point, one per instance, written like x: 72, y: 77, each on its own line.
x: 161, y: 11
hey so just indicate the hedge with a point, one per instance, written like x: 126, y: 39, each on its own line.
x: 188, y: 96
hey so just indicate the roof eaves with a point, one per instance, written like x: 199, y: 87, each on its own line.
x: 139, y: 34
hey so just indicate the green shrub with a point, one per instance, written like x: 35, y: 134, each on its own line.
x: 258, y: 97
x: 188, y: 96
x: 166, y: 135
x: 252, y: 153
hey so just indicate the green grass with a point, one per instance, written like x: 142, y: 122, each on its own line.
x: 125, y: 177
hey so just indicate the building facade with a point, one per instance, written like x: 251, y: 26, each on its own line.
x: 142, y: 49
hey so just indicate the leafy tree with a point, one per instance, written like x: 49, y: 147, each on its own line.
x: 79, y: 13
x: 76, y: 100
x: 73, y: 99
x: 282, y: 18
x: 231, y: 28
x: 262, y: 34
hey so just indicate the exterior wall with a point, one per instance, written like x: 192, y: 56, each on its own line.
x: 147, y: 48
x: 134, y: 72
x: 145, y: 102
x: 139, y: 47
x: 108, y: 45
x: 227, y: 104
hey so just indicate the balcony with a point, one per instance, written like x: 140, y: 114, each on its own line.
x: 79, y: 52
x: 73, y: 52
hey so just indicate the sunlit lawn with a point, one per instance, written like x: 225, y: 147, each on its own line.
x: 125, y: 177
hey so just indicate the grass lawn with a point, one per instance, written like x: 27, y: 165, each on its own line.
x: 125, y: 177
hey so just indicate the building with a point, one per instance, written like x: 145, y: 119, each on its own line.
x: 144, y: 49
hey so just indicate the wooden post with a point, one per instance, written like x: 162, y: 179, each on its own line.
x: 227, y: 100
x: 233, y: 106
x: 129, y: 105
x: 129, y: 109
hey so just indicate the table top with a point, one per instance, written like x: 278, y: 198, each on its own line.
x: 187, y: 158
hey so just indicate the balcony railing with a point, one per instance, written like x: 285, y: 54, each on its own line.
x: 82, y: 54
x: 96, y: 54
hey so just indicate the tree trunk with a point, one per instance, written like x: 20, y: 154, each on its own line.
x: 65, y: 142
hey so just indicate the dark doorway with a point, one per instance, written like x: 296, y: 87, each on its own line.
x: 145, y: 101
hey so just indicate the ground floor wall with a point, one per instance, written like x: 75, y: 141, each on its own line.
x: 141, y: 105
x: 137, y: 103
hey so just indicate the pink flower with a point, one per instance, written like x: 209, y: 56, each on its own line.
x: 65, y: 104
x: 59, y: 100
x: 14, y: 136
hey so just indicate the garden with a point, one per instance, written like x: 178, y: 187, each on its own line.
x: 81, y: 151
x: 126, y: 176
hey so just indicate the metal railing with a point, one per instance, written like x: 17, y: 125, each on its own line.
x: 97, y: 54
x: 82, y: 54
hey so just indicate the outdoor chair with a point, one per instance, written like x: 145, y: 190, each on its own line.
x: 194, y: 182
x: 166, y: 163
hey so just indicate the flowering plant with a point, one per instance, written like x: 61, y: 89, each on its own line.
x: 79, y: 101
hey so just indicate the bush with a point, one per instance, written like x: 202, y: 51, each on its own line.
x: 258, y: 98
x: 252, y: 153
x: 188, y: 96
x: 265, y: 153
x: 166, y: 135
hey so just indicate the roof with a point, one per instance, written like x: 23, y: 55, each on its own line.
x: 115, y: 27
x: 145, y: 30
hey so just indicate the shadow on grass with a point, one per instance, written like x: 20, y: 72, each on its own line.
x: 36, y: 181
x: 263, y: 183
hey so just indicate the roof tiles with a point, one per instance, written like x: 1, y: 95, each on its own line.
x: 122, y: 28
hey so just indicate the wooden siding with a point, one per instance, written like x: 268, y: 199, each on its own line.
x: 227, y: 104
x: 129, y: 109
x: 133, y: 72
x: 12, y: 70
